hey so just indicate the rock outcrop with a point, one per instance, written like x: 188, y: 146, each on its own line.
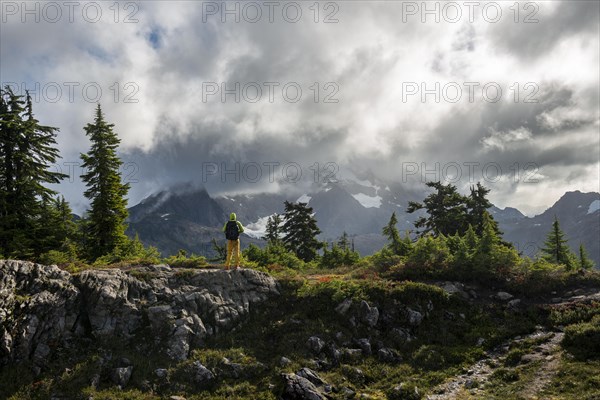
x: 305, y: 384
x: 43, y: 307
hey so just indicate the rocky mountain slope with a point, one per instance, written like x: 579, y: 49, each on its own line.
x: 43, y: 307
x: 156, y: 332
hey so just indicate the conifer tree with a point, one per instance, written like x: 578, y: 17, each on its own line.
x: 478, y: 204
x: 585, y: 262
x: 491, y: 256
x: 273, y: 230
x: 446, y: 209
x: 300, y: 231
x: 27, y: 152
x: 556, y: 249
x: 398, y: 245
x: 67, y: 230
x: 107, y: 194
x: 449, y: 212
x: 489, y: 237
x: 406, y: 244
x: 59, y: 231
x: 462, y: 255
x: 391, y: 232
x: 471, y: 239
x: 344, y: 241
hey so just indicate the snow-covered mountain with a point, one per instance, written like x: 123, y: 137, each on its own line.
x: 360, y: 208
x: 579, y: 217
x: 187, y: 217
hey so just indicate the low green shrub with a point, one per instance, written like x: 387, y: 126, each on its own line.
x: 273, y: 254
x: 513, y: 358
x: 383, y: 260
x: 335, y: 290
x: 338, y: 256
x: 131, y: 252
x: 583, y: 339
x: 574, y: 312
x: 55, y: 257
x: 505, y: 375
x: 182, y: 260
x: 428, y: 358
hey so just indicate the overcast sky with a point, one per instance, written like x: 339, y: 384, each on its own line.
x: 384, y: 87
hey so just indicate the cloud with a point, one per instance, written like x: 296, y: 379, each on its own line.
x: 366, y: 64
x: 501, y: 140
x: 542, y: 26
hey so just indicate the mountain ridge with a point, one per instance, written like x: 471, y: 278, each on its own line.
x: 189, y: 218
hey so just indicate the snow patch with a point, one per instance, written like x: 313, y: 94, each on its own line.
x: 594, y: 206
x: 368, y: 201
x: 304, y: 199
x: 257, y: 229
x: 165, y: 215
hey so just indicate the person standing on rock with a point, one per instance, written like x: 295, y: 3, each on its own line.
x: 232, y: 229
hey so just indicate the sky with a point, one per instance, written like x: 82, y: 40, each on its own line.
x: 269, y: 96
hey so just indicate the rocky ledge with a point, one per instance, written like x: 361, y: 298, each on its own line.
x: 43, y: 308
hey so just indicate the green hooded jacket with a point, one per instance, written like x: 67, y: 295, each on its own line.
x: 232, y: 217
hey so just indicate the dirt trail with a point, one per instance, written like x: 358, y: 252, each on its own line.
x: 550, y: 356
x: 469, y: 384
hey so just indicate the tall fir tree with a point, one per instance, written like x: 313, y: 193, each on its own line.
x: 300, y: 231
x: 556, y: 249
x: 273, y: 230
x: 478, y: 204
x: 106, y: 218
x: 27, y: 153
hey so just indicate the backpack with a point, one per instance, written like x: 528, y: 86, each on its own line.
x: 232, y: 231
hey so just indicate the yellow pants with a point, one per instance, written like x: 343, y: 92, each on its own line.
x: 233, y: 250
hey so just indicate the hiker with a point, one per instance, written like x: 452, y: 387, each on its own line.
x: 232, y: 229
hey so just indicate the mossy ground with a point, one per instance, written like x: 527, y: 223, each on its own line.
x: 445, y: 345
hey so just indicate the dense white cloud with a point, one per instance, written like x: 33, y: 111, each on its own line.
x: 406, y: 91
